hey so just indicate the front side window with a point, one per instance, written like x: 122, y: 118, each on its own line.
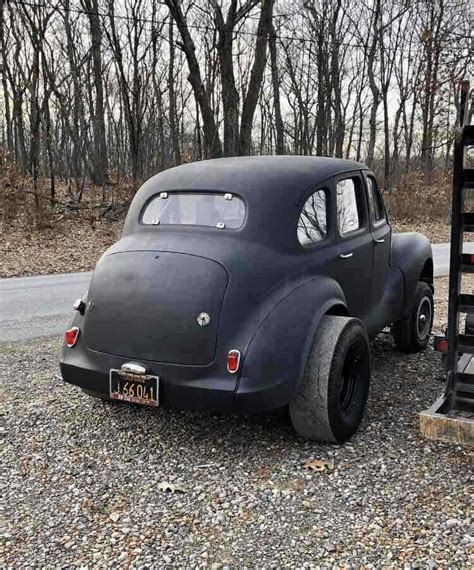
x: 375, y: 200
x: 312, y: 224
x: 348, y: 219
x: 196, y: 209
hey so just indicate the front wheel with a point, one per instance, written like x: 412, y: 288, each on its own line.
x: 412, y: 333
x: 331, y: 398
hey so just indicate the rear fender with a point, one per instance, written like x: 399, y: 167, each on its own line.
x: 412, y: 253
x: 277, y: 352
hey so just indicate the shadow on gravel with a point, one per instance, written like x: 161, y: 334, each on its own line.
x: 402, y: 385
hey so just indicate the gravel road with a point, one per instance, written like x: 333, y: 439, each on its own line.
x: 93, y: 485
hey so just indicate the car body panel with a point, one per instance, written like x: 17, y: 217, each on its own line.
x: 136, y: 291
x: 411, y: 252
x: 265, y: 293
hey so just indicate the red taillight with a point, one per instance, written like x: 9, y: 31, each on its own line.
x: 441, y: 344
x: 233, y: 361
x: 71, y: 336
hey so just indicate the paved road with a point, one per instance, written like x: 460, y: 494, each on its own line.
x: 32, y: 307
x: 441, y: 257
x: 38, y: 306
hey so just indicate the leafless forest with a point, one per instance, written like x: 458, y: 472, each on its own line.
x: 95, y: 91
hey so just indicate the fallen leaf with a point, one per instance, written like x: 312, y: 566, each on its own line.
x: 319, y: 465
x: 171, y: 487
x: 114, y: 517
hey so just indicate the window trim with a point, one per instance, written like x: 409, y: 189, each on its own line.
x: 361, y: 197
x: 384, y: 220
x: 325, y: 187
x: 194, y: 226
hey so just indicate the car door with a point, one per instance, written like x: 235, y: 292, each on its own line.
x: 355, y: 243
x: 316, y: 233
x: 382, y: 237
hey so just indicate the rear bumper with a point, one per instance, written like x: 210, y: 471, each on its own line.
x: 178, y: 389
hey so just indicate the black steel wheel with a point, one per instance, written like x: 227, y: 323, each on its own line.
x: 331, y: 398
x: 412, y: 333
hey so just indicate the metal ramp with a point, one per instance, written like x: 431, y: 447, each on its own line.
x: 451, y: 418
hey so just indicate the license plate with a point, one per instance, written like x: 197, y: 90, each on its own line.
x: 136, y: 388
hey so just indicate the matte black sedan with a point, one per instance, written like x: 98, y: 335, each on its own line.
x: 247, y: 284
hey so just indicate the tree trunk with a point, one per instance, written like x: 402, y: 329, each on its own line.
x: 230, y: 95
x: 172, y: 100
x: 6, y: 95
x: 280, y: 135
x: 373, y: 84
x: 212, y: 142
x: 99, y: 159
x: 336, y: 85
x: 256, y: 76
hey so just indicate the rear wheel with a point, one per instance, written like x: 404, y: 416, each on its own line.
x: 331, y: 398
x: 412, y: 333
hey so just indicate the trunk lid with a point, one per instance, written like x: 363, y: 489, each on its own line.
x: 145, y: 305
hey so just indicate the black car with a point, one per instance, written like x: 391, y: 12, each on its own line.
x: 247, y: 284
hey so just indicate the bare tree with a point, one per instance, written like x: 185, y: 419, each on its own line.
x: 99, y: 155
x: 95, y: 91
x: 212, y: 142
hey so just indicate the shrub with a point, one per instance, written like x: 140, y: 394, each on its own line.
x: 421, y: 196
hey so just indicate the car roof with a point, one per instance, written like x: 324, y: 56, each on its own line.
x: 274, y: 188
x: 253, y: 174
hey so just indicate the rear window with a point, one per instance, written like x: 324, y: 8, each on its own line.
x: 193, y: 209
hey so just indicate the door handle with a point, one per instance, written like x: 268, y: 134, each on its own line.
x: 345, y: 255
x: 379, y: 240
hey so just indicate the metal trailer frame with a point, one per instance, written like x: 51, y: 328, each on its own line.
x: 451, y: 418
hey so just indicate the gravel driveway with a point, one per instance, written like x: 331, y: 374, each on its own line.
x: 115, y: 485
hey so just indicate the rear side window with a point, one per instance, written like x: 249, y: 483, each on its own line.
x: 375, y: 200
x: 348, y: 219
x: 195, y: 209
x: 312, y: 224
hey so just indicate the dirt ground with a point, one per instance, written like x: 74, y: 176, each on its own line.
x: 75, y: 244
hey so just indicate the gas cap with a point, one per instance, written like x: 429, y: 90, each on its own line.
x: 203, y: 319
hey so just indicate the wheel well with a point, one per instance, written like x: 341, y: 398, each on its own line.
x: 427, y: 272
x: 338, y: 311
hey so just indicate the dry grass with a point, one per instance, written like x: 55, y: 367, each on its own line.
x: 37, y: 238
x: 73, y: 245
x: 421, y: 196
x: 437, y: 231
x: 422, y: 203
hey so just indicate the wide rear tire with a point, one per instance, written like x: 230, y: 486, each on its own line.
x: 331, y: 398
